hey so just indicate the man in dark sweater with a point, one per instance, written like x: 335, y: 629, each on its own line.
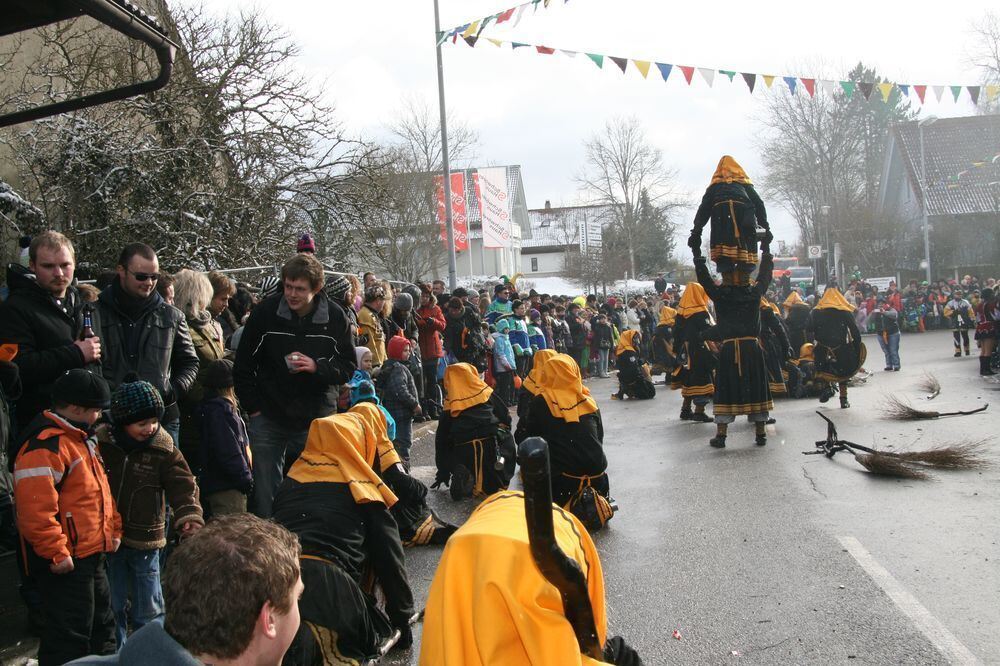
x: 295, y: 351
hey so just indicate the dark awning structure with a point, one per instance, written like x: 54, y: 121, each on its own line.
x: 120, y: 15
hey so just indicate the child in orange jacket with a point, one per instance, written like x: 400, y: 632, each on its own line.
x: 67, y: 519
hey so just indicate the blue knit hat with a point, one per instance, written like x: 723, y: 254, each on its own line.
x: 135, y: 400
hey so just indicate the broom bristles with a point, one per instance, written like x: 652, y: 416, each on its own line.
x: 931, y: 385
x: 962, y: 455
x: 898, y: 410
x: 887, y: 465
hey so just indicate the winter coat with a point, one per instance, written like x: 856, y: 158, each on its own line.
x: 142, y: 481
x: 464, y: 338
x: 149, y: 645
x: 370, y: 325
x: 44, y: 334
x: 503, y: 354
x: 577, y: 331
x: 632, y: 320
x: 261, y: 377
x: 396, y: 387
x: 225, y: 456
x: 603, y: 336
x: 886, y: 321
x: 157, y: 347
x: 960, y: 313
x: 431, y: 322
x: 61, y: 494
x: 207, y: 339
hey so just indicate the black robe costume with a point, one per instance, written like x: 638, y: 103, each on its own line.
x: 342, y: 543
x: 796, y: 323
x: 734, y: 210
x: 839, y: 351
x: 632, y: 380
x: 474, y: 439
x: 741, y: 382
x: 695, y: 375
x: 774, y: 341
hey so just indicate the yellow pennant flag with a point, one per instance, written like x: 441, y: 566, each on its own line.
x: 472, y: 29
x: 642, y: 66
x: 494, y: 42
x: 992, y: 92
x: 768, y: 79
x: 886, y: 90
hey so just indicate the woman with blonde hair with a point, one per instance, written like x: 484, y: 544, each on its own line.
x: 193, y: 293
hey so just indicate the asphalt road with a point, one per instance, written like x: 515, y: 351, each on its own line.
x: 763, y: 555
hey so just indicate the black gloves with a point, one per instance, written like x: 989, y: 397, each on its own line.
x: 699, y: 258
x: 442, y: 479
x: 617, y: 652
x: 694, y: 242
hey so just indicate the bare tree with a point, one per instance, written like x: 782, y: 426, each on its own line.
x: 985, y: 56
x: 620, y: 165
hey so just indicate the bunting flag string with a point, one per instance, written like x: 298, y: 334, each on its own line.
x: 474, y: 29
x: 794, y: 84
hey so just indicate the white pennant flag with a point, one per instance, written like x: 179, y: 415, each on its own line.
x: 938, y: 91
x: 709, y: 75
x: 520, y: 13
x: 827, y: 86
x: 571, y: 54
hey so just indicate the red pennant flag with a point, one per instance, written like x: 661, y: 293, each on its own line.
x: 688, y: 72
x: 505, y: 16
x: 810, y: 85
x: 545, y: 50
x: 921, y: 91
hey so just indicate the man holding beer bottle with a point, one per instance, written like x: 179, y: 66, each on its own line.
x: 44, y: 317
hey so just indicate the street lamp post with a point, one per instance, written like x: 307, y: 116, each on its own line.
x: 923, y: 195
x: 449, y: 224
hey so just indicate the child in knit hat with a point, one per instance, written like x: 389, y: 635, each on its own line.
x: 398, y: 392
x: 144, y: 468
x: 226, y: 477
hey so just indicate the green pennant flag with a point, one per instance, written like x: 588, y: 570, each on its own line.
x: 848, y: 87
x: 597, y: 58
x: 956, y: 91
x: 728, y: 73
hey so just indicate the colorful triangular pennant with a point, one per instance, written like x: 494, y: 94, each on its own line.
x: 791, y: 82
x: 938, y: 91
x: 974, y: 94
x: 904, y: 88
x: 956, y: 91
x: 886, y: 90
x: 642, y: 66
x: 728, y: 73
x: 921, y: 91
x: 517, y: 45
x: 568, y: 53
x: 866, y: 89
x: 688, y: 72
x: 827, y: 86
x: 598, y: 60
x: 471, y: 30
x: 751, y: 80
x: 441, y: 37
x: 621, y: 62
x: 664, y: 69
x: 848, y: 88
x: 810, y: 85
x: 768, y: 79
x: 992, y: 92
x: 545, y: 50
x: 495, y: 42
x: 505, y: 15
x: 708, y: 74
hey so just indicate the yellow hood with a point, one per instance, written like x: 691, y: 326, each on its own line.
x: 729, y: 171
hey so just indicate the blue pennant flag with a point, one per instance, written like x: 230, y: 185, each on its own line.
x: 664, y: 70
x: 791, y: 81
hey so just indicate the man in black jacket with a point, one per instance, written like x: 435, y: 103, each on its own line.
x: 295, y: 351
x: 43, y: 317
x: 141, y: 333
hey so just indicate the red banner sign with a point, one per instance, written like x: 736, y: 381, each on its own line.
x: 458, y: 216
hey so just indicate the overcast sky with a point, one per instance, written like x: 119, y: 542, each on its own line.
x: 536, y: 110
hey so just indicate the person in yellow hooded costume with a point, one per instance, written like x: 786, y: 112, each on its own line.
x: 500, y: 610
x: 695, y: 373
x: 796, y: 319
x: 632, y: 379
x: 839, y: 351
x: 338, y: 506
x: 474, y: 450
x: 564, y: 414
x: 735, y: 210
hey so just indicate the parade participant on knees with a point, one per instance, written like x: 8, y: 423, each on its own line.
x: 296, y: 350
x: 338, y: 506
x: 695, y: 375
x: 226, y: 479
x: 140, y: 333
x: 67, y: 519
x: 632, y: 379
x: 530, y: 385
x: 735, y: 211
x: 796, y: 320
x: 500, y: 609
x: 399, y: 394
x: 839, y: 351
x: 473, y: 435
x: 565, y: 415
x: 741, y: 382
x: 418, y: 524
x: 962, y: 317
x: 144, y: 468
x: 193, y: 297
x: 43, y: 316
x: 774, y: 342
x: 886, y: 321
x: 987, y: 329
x: 205, y: 622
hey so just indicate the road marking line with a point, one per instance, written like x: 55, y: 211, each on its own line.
x: 946, y: 643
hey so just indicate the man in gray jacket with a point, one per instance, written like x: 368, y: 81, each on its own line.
x: 141, y: 333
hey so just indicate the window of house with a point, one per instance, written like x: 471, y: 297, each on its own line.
x: 534, y: 264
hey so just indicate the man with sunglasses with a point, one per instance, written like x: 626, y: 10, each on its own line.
x: 142, y: 334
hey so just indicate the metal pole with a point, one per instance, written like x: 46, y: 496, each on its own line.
x: 449, y: 224
x: 923, y: 201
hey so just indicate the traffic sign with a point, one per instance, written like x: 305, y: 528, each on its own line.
x: 815, y: 251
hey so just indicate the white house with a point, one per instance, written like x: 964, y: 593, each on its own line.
x: 557, y: 232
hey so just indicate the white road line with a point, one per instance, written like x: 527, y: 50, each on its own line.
x: 946, y: 643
